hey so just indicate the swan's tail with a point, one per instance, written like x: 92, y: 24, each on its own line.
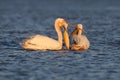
x: 28, y: 44
x: 24, y: 43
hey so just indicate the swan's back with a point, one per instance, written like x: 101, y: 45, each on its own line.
x: 84, y: 41
x: 40, y: 42
x: 81, y: 42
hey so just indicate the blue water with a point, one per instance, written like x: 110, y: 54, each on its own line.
x: 22, y: 18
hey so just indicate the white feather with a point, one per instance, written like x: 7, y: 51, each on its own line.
x: 40, y: 42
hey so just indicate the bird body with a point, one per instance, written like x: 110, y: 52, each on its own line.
x: 40, y: 42
x: 81, y: 42
x: 35, y: 43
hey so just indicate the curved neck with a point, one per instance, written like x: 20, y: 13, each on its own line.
x: 80, y: 32
x: 59, y: 33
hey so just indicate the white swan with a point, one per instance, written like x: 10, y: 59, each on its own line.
x: 40, y: 42
x: 80, y: 41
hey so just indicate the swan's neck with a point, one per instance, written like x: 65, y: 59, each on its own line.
x: 59, y: 33
x: 79, y: 32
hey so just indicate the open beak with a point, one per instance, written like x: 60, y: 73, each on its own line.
x: 84, y: 31
x: 69, y: 24
x: 66, y: 38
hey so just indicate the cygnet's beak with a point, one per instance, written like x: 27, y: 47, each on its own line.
x: 84, y: 31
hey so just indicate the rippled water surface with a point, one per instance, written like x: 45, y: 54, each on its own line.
x: 22, y: 18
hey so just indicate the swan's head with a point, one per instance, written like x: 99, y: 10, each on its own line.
x: 80, y: 28
x: 60, y: 22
